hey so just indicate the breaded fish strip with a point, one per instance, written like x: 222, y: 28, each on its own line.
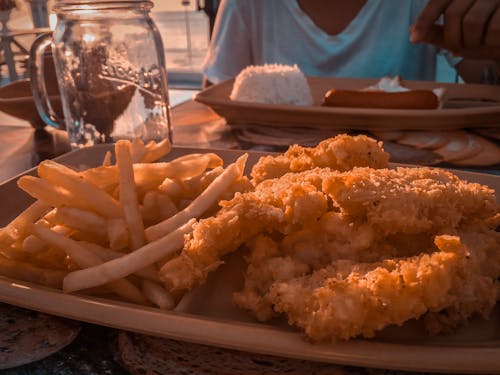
x: 348, y: 299
x: 267, y: 265
x: 479, y: 294
x: 410, y: 200
x: 275, y: 205
x: 312, y: 247
x: 340, y: 153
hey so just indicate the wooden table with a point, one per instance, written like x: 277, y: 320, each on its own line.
x: 22, y: 147
x: 194, y: 125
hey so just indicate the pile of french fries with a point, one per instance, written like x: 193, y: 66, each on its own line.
x: 108, y: 230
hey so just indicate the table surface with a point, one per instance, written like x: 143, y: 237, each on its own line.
x: 22, y: 147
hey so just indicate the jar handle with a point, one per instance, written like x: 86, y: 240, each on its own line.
x: 38, y: 86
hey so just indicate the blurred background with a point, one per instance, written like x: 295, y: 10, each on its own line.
x: 185, y: 27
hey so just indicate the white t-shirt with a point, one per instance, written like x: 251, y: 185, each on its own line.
x: 375, y: 43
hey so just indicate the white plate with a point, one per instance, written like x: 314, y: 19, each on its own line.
x: 208, y: 316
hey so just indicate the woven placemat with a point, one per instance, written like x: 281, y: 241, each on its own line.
x: 141, y: 354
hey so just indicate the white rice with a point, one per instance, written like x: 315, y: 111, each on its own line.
x: 272, y: 84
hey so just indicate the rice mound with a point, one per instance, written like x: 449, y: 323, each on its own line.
x: 272, y: 84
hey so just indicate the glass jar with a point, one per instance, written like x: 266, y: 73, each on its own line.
x: 110, y: 67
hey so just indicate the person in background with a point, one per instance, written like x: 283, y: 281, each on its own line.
x: 470, y: 28
x: 358, y: 38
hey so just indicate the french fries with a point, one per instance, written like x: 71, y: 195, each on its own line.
x: 117, y: 234
x: 17, y: 227
x: 28, y: 272
x: 33, y: 245
x: 85, y: 221
x: 109, y: 229
x: 107, y: 159
x: 155, y: 151
x: 202, y: 203
x: 85, y: 258
x: 84, y: 191
x: 46, y: 192
x: 121, y: 267
x: 128, y: 195
x: 158, y: 295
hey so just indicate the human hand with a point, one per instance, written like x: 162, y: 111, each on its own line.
x: 471, y: 28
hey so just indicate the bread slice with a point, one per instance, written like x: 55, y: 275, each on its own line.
x: 410, y: 155
x: 461, y: 145
x: 424, y: 139
x: 489, y: 155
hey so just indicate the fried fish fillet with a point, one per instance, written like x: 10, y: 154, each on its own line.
x: 475, y: 290
x: 410, y: 200
x: 348, y: 299
x: 481, y: 287
x: 340, y: 153
x: 275, y: 205
x: 331, y: 238
x: 267, y: 264
x: 419, y: 203
x: 345, y: 254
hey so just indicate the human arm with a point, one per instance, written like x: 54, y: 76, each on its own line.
x: 230, y: 47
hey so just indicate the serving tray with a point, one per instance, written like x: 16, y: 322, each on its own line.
x: 467, y: 106
x: 208, y: 316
